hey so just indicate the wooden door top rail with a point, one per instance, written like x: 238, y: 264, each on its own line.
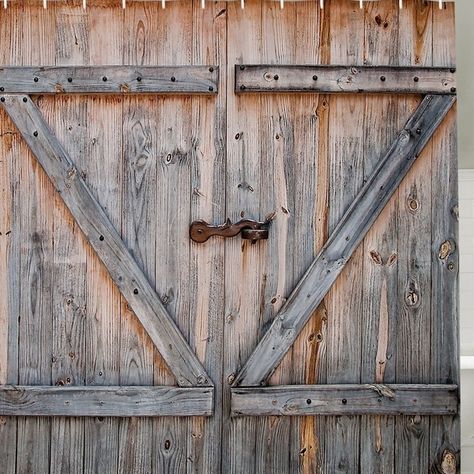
x: 109, y: 80
x: 367, y: 399
x: 348, y: 79
x: 105, y: 401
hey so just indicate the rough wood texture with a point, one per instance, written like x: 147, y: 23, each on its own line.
x: 105, y: 401
x: 337, y: 79
x: 345, y: 238
x: 106, y: 242
x: 109, y: 79
x: 298, y: 400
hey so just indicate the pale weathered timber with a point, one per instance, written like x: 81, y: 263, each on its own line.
x: 116, y: 401
x: 345, y: 238
x: 445, y: 442
x: 106, y: 242
x: 109, y: 80
x: 337, y: 79
x: 298, y: 400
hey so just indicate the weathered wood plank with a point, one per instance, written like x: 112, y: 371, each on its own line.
x: 298, y: 400
x: 412, y: 350
x: 109, y: 80
x: 206, y: 290
x: 445, y: 440
x: 103, y: 172
x: 380, y: 246
x: 141, y: 137
x: 243, y: 277
x: 105, y: 240
x: 35, y: 249
x: 345, y: 238
x: 348, y: 79
x: 116, y: 401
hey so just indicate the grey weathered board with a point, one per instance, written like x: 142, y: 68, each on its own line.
x: 338, y: 79
x: 300, y: 400
x: 154, y: 161
x: 105, y: 401
x: 109, y: 80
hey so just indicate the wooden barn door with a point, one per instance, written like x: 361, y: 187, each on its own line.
x: 331, y: 345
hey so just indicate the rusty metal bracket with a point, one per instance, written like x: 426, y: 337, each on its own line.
x: 200, y: 231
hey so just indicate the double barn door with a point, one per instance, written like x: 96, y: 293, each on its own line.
x: 218, y: 255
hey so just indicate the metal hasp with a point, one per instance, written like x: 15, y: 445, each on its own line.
x: 200, y: 231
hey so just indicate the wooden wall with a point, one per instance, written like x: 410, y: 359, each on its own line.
x: 157, y: 163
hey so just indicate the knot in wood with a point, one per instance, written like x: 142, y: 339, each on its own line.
x: 448, y: 464
x: 446, y: 249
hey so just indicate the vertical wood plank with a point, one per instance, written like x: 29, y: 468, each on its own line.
x: 207, y: 261
x: 444, y: 431
x: 139, y: 220
x: 243, y: 279
x: 414, y: 260
x: 10, y: 238
x: 175, y: 149
x: 277, y: 184
x: 309, y: 222
x: 69, y: 255
x: 102, y: 170
x: 37, y: 276
x: 343, y: 348
x: 380, y: 282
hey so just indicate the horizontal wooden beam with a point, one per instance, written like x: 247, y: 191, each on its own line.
x: 302, y: 400
x: 105, y: 401
x: 105, y: 240
x: 109, y: 80
x: 352, y: 79
x: 345, y: 238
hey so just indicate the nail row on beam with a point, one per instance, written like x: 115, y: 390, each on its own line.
x: 242, y: 3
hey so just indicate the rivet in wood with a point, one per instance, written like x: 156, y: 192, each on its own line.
x: 2, y: 99
x: 69, y: 79
x: 453, y: 90
x: 2, y: 89
x: 101, y: 237
x: 382, y: 78
x: 35, y: 133
x: 211, y: 88
x: 418, y: 131
x: 276, y: 77
x: 135, y: 291
x: 104, y: 78
x: 139, y: 79
x: 242, y: 67
x: 173, y: 79
x: 452, y: 70
x: 25, y: 99
x: 35, y: 79
x: 211, y: 69
x: 242, y: 87
x: 308, y: 401
x: 416, y: 78
x: 315, y: 78
x: 344, y: 401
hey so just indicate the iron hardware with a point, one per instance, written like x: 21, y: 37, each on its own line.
x: 200, y: 231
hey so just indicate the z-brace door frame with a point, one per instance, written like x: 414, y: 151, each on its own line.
x: 249, y: 398
x: 195, y: 391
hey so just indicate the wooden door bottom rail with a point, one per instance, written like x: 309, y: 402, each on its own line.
x: 368, y: 399
x: 105, y: 401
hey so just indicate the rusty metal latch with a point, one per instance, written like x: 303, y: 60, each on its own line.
x: 200, y: 231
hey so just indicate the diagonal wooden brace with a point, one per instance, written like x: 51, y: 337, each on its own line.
x: 348, y: 234
x: 106, y: 241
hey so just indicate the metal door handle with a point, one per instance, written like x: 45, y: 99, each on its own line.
x: 200, y: 231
